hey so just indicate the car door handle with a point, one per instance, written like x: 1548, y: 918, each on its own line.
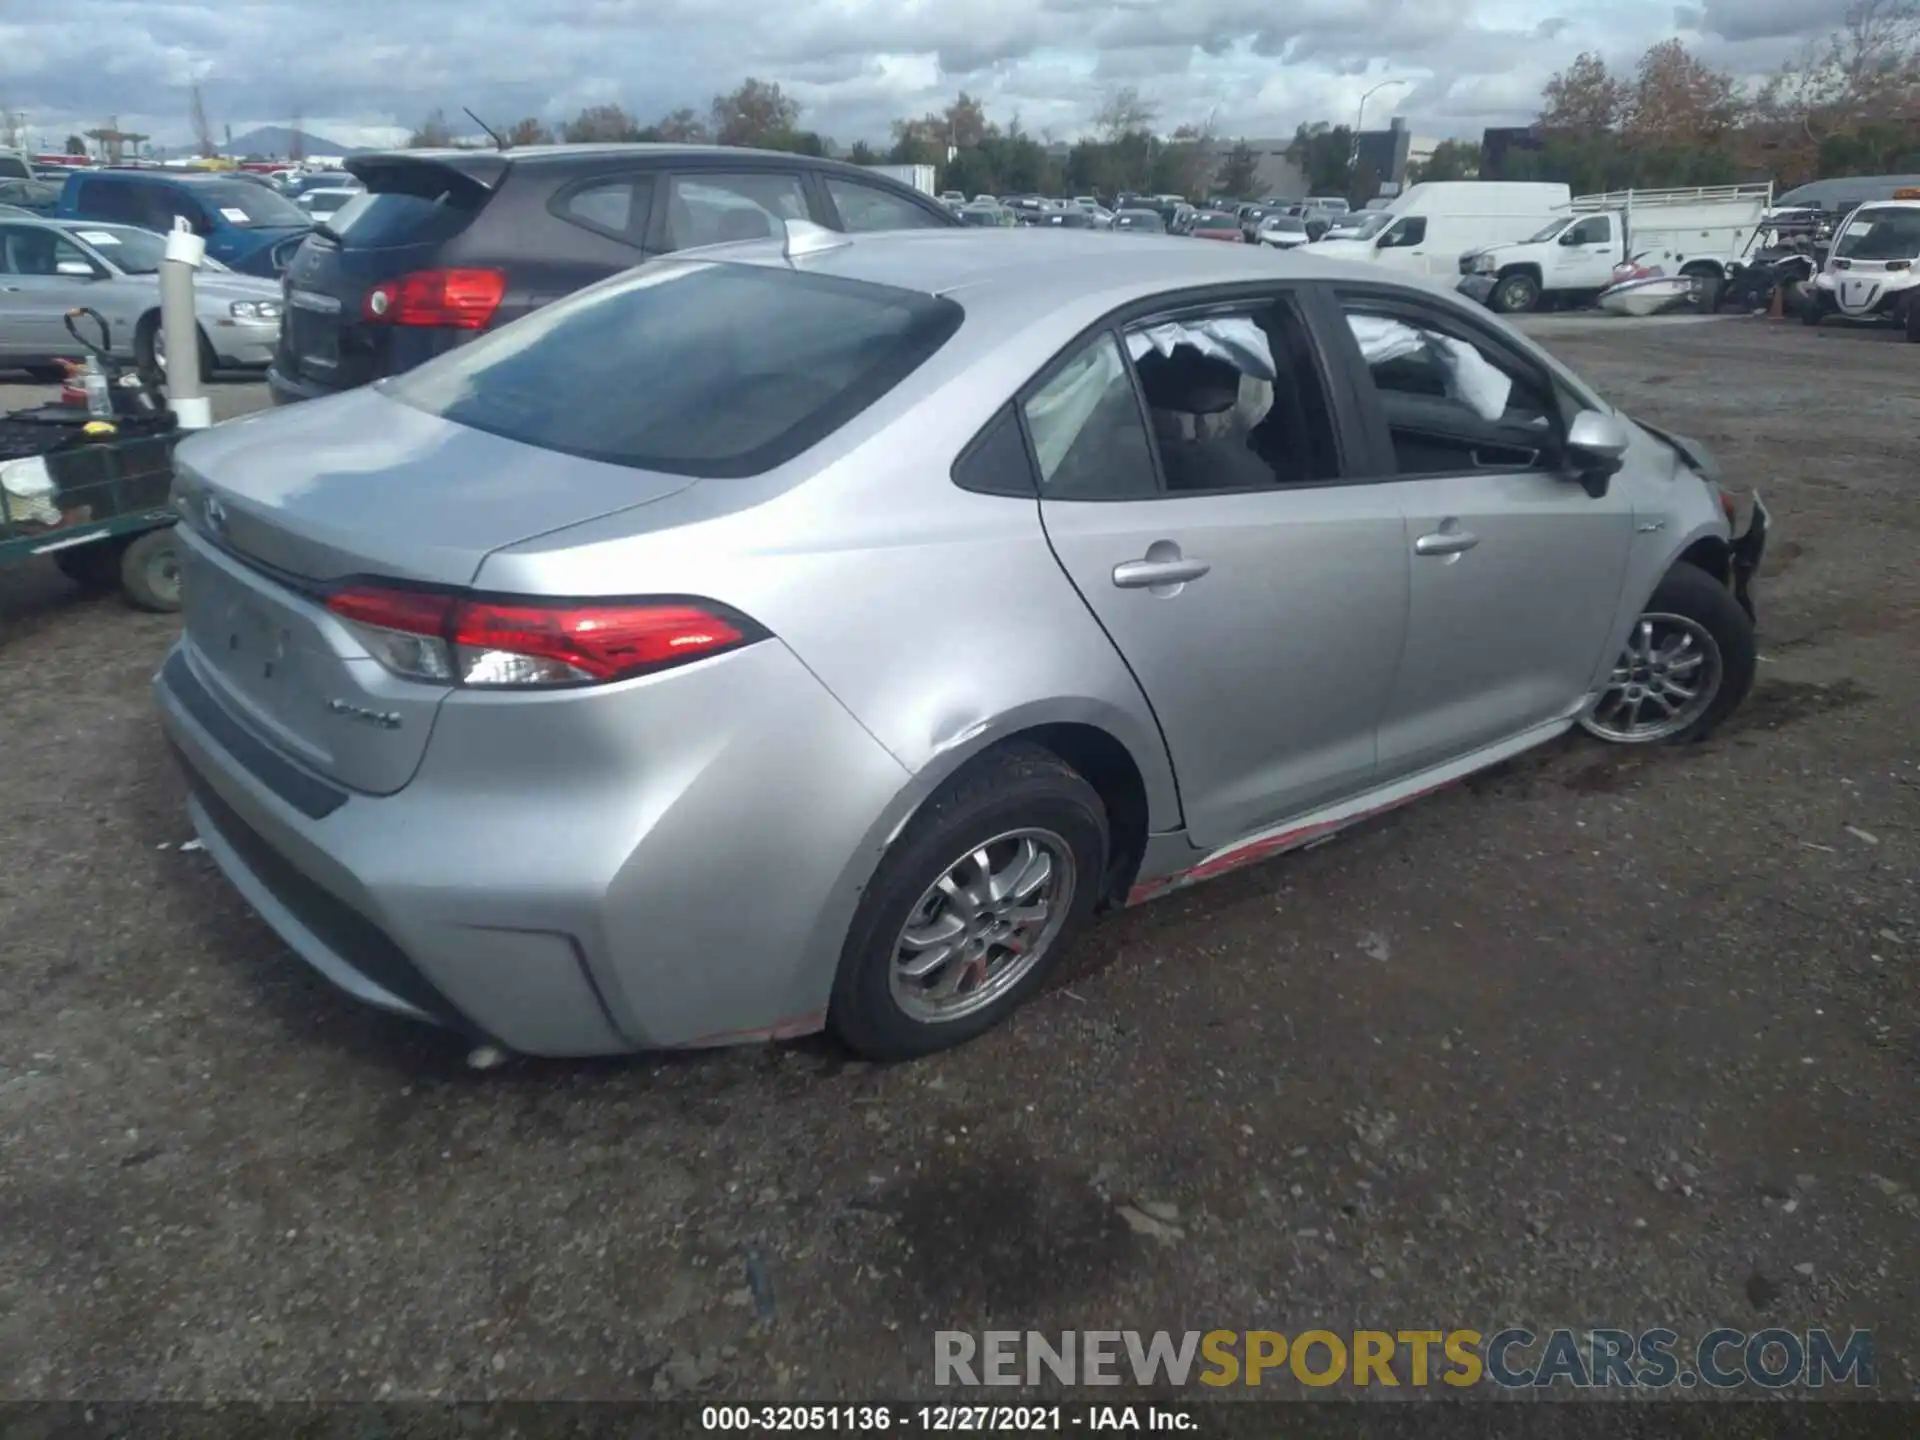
x: 1141, y: 574
x: 1446, y: 542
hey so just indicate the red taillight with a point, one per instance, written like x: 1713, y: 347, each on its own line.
x: 459, y: 299
x: 449, y: 639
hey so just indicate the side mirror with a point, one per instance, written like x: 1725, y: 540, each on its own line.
x: 1597, y: 444
x: 78, y: 269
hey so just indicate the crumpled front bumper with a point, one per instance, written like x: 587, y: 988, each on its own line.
x: 1747, y: 550
x: 1478, y: 288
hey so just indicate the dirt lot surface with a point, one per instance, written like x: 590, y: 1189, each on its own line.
x: 1597, y: 1039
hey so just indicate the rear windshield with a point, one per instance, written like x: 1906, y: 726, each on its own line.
x: 688, y: 367
x: 242, y: 204
x: 409, y: 205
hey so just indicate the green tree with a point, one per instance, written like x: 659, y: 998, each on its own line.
x: 76, y: 145
x: 600, y: 124
x: 529, y: 132
x: 1238, y: 172
x: 1323, y: 153
x: 862, y: 153
x: 1451, y: 160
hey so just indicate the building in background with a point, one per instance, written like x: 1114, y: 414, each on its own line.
x: 1273, y: 173
x: 1387, y: 156
x: 1499, y: 143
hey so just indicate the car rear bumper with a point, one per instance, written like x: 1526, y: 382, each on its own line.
x: 284, y: 389
x: 549, y: 902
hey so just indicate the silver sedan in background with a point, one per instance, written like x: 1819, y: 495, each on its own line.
x: 816, y: 633
x: 48, y: 267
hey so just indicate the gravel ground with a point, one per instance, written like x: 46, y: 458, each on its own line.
x: 1595, y: 1039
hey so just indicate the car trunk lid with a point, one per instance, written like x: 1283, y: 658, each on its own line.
x: 279, y: 508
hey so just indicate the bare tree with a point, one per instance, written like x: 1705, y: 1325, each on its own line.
x: 1125, y: 111
x: 202, y: 127
x: 1678, y: 100
x: 757, y: 113
x: 684, y: 127
x: 529, y: 132
x: 1866, y: 72
x: 434, y: 133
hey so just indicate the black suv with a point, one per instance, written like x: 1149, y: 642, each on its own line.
x: 447, y: 243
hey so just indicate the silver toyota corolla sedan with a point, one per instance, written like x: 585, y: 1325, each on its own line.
x: 816, y: 634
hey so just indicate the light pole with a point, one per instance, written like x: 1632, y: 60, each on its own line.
x: 1360, y: 120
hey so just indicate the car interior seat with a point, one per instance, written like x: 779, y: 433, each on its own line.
x: 1200, y: 421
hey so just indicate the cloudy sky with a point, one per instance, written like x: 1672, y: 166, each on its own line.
x: 357, y: 69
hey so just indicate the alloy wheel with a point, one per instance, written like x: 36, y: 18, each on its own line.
x: 1664, y: 680
x: 980, y: 928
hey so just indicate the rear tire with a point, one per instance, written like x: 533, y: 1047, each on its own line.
x: 1721, y: 651
x: 150, y: 572
x: 1708, y: 290
x: 1516, y: 295
x: 1017, y: 796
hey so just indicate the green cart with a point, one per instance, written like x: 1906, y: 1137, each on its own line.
x: 96, y: 504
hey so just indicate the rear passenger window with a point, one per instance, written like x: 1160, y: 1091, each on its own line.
x: 1087, y: 433
x: 867, y: 207
x: 617, y: 208
x: 1236, y: 399
x: 121, y: 203
x: 718, y: 208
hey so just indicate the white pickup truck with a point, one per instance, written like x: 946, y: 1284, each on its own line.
x: 1692, y: 231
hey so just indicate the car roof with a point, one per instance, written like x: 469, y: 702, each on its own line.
x: 488, y: 167
x: 1030, y: 269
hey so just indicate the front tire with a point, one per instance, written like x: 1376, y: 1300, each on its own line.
x: 971, y: 907
x: 150, y: 349
x: 1516, y: 294
x: 1913, y: 319
x: 1688, y: 663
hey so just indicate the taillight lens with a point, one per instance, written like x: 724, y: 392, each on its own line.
x: 532, y: 644
x: 458, y: 299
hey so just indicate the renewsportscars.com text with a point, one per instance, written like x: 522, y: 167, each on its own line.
x: 1512, y: 1359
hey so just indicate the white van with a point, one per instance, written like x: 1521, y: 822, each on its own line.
x: 1427, y: 229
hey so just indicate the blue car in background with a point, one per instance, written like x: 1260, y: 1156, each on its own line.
x: 248, y: 228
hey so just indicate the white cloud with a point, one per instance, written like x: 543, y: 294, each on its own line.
x: 364, y: 71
